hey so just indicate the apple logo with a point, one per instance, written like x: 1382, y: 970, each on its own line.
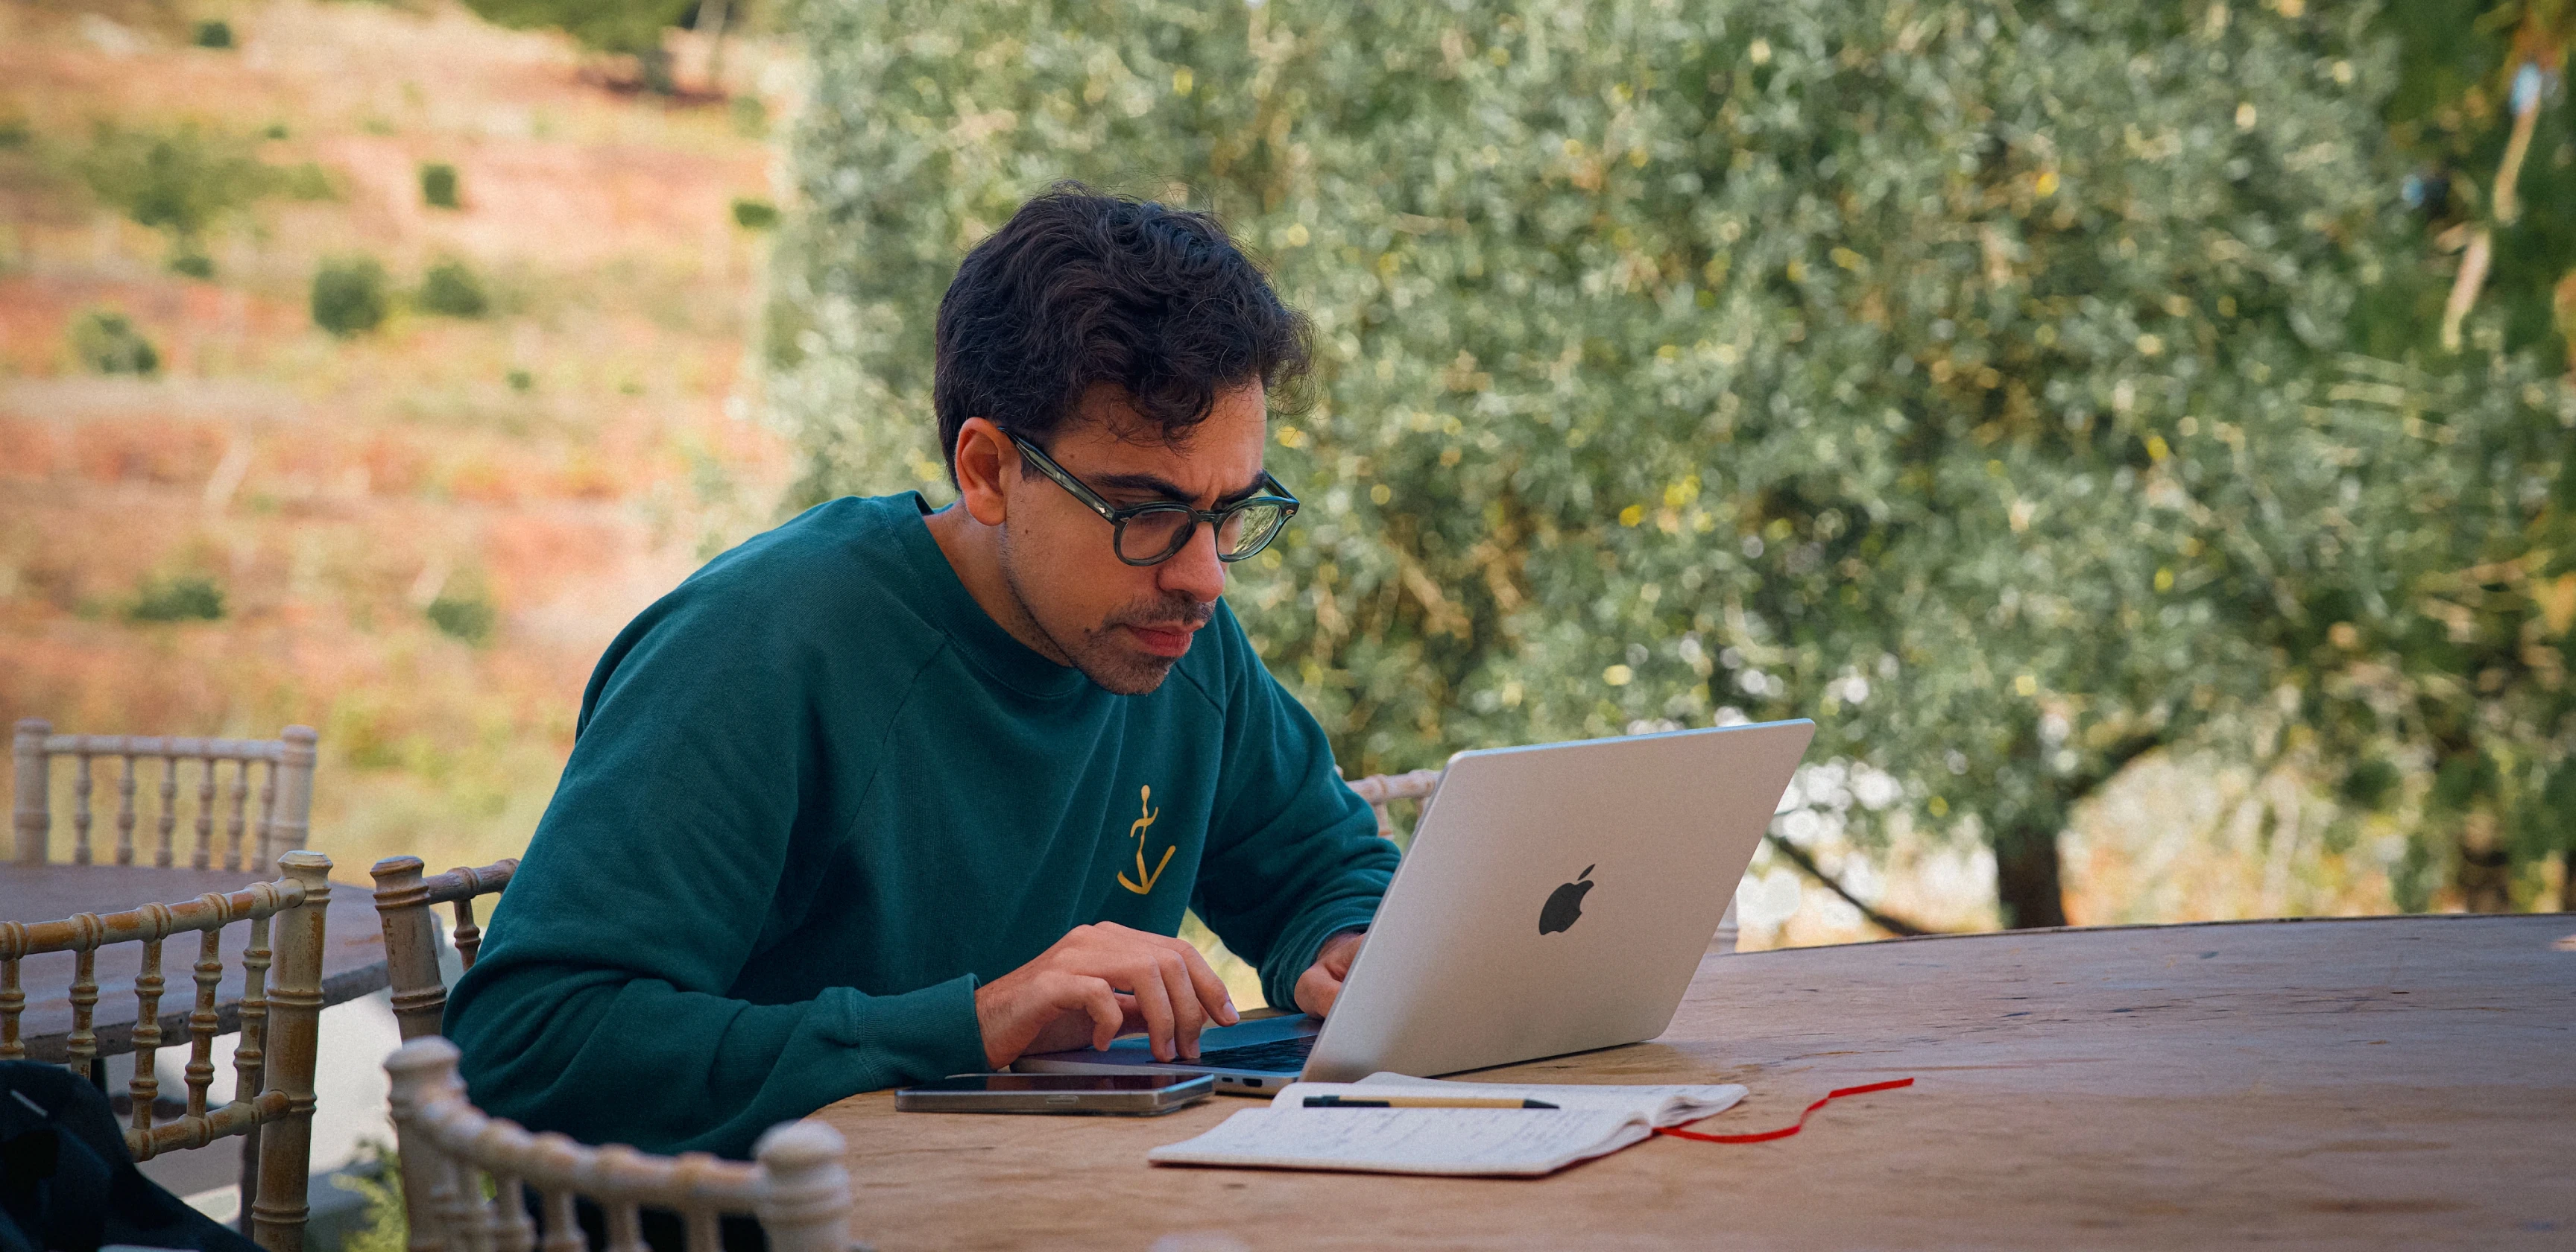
x: 1565, y: 904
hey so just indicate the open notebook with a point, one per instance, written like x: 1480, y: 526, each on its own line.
x: 1588, y: 1121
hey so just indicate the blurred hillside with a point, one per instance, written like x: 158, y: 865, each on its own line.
x: 415, y: 536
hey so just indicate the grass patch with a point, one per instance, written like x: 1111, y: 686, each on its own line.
x: 186, y: 598
x: 107, y: 343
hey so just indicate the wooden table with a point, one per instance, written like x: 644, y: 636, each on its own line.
x: 2396, y: 1082
x: 353, y: 958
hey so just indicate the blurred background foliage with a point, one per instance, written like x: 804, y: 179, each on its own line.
x: 2021, y: 391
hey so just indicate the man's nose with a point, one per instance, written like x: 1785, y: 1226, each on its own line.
x: 1194, y: 570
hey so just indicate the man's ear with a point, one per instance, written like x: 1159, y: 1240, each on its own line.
x: 986, y: 461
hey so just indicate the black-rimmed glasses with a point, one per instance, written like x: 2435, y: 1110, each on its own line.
x: 1155, y: 532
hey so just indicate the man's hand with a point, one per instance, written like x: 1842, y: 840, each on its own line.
x: 1321, y: 984
x: 1097, y: 983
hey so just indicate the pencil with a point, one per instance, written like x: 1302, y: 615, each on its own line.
x: 1422, y: 1102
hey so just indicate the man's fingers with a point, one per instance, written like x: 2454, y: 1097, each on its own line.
x: 1188, y: 1015
x: 1093, y: 996
x: 1204, y: 984
x: 1145, y: 982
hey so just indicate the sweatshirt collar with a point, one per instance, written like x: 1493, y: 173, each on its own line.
x: 983, y: 641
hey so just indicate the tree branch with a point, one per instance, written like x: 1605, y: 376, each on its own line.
x: 1798, y: 856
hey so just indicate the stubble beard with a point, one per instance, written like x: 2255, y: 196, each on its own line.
x: 1099, y: 652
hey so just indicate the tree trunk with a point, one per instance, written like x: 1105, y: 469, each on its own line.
x: 2485, y: 871
x: 2026, y: 879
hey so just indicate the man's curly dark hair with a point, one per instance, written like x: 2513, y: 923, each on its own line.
x: 1081, y: 288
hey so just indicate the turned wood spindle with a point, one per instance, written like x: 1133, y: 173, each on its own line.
x: 203, y: 857
x: 203, y: 1021
x: 80, y: 809
x: 32, y: 812
x: 125, y: 812
x: 263, y: 835
x: 295, y: 1008
x: 167, y: 825
x: 145, y: 1086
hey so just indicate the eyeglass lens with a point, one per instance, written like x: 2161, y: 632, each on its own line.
x: 1154, y: 535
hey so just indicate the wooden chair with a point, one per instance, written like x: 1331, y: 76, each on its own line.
x: 403, y: 900
x: 281, y: 822
x: 273, y: 1066
x: 797, y: 1187
x: 1377, y: 789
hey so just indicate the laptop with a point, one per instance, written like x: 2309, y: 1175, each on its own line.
x: 1556, y: 899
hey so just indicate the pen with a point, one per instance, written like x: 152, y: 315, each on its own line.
x: 1421, y: 1102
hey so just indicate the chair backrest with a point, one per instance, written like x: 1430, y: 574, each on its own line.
x: 273, y: 1064
x: 403, y: 900
x: 797, y: 1187
x: 280, y: 823
x: 1377, y: 789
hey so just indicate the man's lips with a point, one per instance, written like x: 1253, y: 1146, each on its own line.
x: 1170, y: 641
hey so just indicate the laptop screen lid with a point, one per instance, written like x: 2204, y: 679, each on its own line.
x: 1557, y: 899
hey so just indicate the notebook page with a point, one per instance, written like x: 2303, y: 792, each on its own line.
x: 1408, y: 1141
x: 1661, y: 1105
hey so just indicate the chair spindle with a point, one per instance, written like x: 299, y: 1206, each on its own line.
x: 510, y: 1231
x: 468, y: 937
x: 168, y: 827
x: 13, y: 996
x: 203, y: 858
x: 203, y: 1021
x: 267, y: 810
x: 145, y: 1086
x: 80, y: 1048
x: 295, y: 1010
x: 563, y: 1233
x: 625, y: 1227
x: 237, y: 822
x: 125, y: 813
x: 80, y: 809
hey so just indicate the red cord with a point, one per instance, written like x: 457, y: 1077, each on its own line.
x: 1786, y: 1131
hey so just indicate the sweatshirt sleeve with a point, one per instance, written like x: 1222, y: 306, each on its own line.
x: 598, y: 1006
x: 1293, y: 853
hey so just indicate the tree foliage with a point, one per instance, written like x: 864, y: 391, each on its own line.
x: 633, y: 27
x: 1971, y: 377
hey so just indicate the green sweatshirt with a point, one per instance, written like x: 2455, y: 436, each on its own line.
x: 817, y: 794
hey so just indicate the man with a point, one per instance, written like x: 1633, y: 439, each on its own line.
x: 887, y: 794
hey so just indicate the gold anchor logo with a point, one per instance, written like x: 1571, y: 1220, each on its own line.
x: 1145, y: 805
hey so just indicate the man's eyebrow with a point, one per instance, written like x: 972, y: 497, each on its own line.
x: 1156, y: 485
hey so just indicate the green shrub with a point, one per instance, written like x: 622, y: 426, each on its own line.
x: 107, y: 342
x: 468, y: 618
x: 179, y: 182
x: 438, y: 186
x: 187, y: 598
x: 379, y: 1180
x: 193, y: 264
x: 754, y: 214
x: 450, y: 289
x: 521, y: 381
x: 214, y: 33
x: 349, y: 295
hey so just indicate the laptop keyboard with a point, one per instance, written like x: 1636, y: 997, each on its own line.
x: 1279, y: 1055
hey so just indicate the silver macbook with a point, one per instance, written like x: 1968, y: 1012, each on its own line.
x: 1556, y: 899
